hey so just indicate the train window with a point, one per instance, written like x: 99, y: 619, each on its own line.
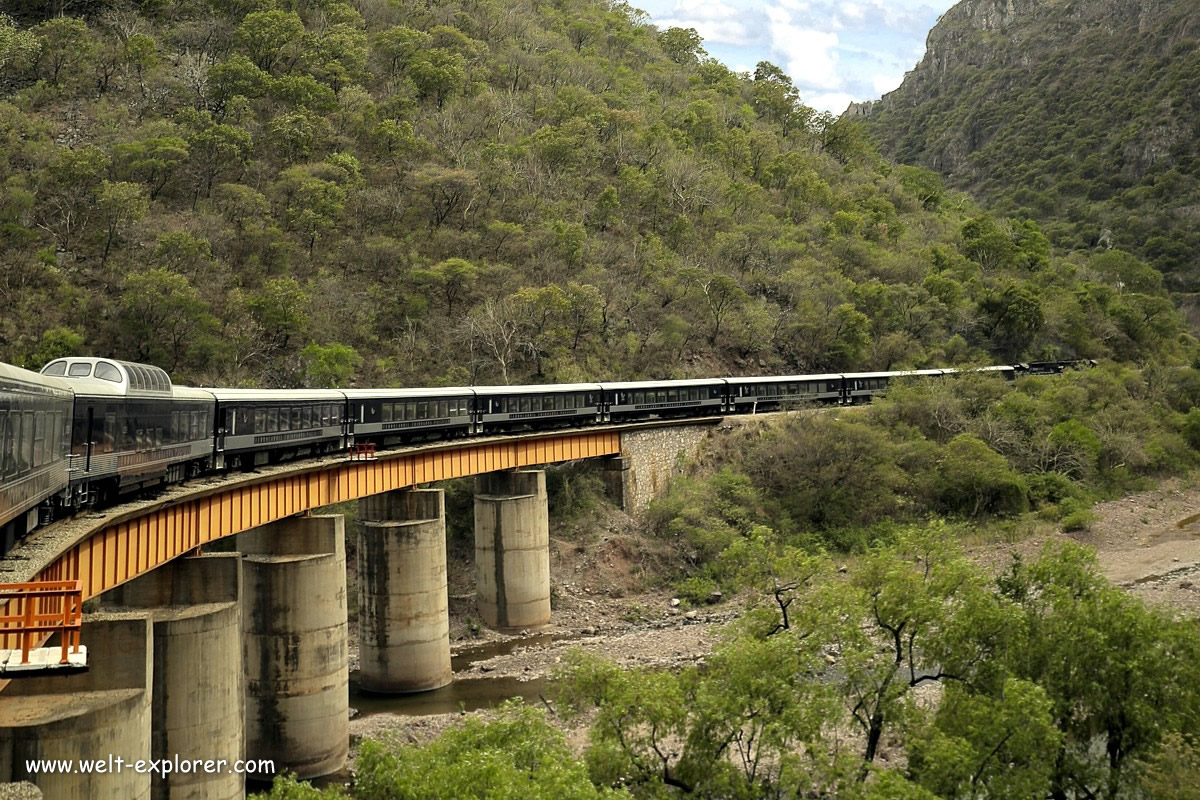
x: 295, y: 418
x: 260, y: 420
x: 56, y: 368
x: 80, y: 369
x: 5, y: 442
x: 672, y: 395
x: 39, y: 437
x: 108, y: 437
x: 385, y: 412
x: 522, y: 403
x: 410, y: 410
x: 422, y: 410
x: 443, y: 408
x: 175, y: 437
x: 27, y: 428
x: 272, y: 420
x: 108, y: 372
x: 14, y: 442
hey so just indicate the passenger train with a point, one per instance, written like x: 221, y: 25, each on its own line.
x: 87, y: 431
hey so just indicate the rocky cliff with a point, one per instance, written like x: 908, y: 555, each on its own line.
x: 1084, y: 114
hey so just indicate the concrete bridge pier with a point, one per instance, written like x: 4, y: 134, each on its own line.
x: 512, y: 549
x: 403, y: 617
x: 197, y: 706
x: 88, y: 716
x: 294, y: 644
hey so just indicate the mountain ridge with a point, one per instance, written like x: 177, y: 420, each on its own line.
x: 1080, y: 115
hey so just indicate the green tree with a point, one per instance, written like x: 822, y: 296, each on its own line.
x: 974, y: 480
x: 682, y: 45
x: 982, y: 746
x: 16, y: 45
x: 329, y: 366
x: 152, y: 161
x: 1119, y: 675
x: 163, y: 317
x: 270, y: 37
x: 517, y: 756
x: 311, y: 205
x: 66, y: 48
x: 120, y: 205
x: 452, y: 279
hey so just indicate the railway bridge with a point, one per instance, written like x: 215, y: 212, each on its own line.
x: 196, y: 656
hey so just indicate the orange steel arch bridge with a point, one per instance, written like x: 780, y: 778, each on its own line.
x: 107, y: 550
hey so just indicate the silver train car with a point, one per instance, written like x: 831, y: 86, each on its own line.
x: 131, y: 428
x: 35, y: 445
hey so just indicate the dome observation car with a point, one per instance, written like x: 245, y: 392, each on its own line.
x: 110, y: 376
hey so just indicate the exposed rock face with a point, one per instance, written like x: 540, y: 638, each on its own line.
x: 1080, y: 114
x: 982, y: 49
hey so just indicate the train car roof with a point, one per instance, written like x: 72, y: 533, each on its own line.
x: 785, y: 378
x: 191, y: 393
x: 906, y: 373
x: 537, y: 388
x: 383, y: 394
x: 32, y: 381
x: 664, y: 384
x: 110, y: 377
x: 999, y: 368
x: 275, y: 395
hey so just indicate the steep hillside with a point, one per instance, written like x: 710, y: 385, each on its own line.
x: 293, y: 192
x: 1083, y: 114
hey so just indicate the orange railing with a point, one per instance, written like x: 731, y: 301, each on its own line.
x: 362, y: 451
x: 31, y: 612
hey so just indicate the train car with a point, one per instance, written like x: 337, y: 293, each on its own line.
x: 512, y: 408
x: 750, y: 395
x: 1007, y: 372
x: 35, y: 445
x: 132, y: 428
x: 1052, y: 367
x: 261, y: 426
x: 633, y: 400
x: 860, y: 387
x: 392, y: 416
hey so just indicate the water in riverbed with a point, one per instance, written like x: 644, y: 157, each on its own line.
x: 464, y: 693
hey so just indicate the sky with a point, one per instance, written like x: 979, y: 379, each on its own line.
x: 835, y: 51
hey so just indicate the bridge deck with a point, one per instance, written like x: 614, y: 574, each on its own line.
x: 104, y: 550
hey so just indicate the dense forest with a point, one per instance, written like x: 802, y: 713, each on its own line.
x: 324, y: 193
x: 1082, y: 116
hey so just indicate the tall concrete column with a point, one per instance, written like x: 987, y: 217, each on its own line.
x: 294, y: 636
x: 89, y: 716
x: 512, y: 549
x: 197, y: 708
x: 403, y: 612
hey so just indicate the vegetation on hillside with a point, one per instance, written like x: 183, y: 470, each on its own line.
x: 1081, y: 116
x: 971, y: 449
x: 288, y: 192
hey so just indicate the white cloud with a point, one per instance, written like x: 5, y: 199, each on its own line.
x: 809, y: 56
x: 715, y: 21
x: 834, y: 50
x: 833, y: 102
x: 882, y: 84
x: 853, y: 11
